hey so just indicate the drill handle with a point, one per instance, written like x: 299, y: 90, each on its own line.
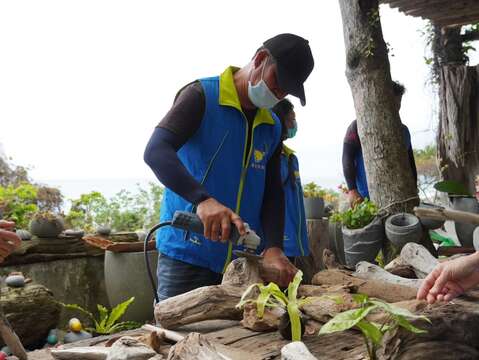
x: 191, y: 222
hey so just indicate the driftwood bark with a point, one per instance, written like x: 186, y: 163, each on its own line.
x: 452, y: 334
x: 195, y: 346
x: 210, y: 302
x: 447, y: 214
x: 368, y: 271
x: 389, y: 174
x: 81, y: 353
x: 374, y: 288
x: 32, y: 311
x: 324, y: 308
x: 458, y: 133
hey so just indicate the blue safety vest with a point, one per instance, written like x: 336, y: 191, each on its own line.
x: 216, y: 156
x: 361, y: 180
x: 295, y: 241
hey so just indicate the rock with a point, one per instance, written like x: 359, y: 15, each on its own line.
x: 24, y: 234
x: 52, y: 337
x: 42, y: 309
x: 76, y: 336
x: 103, y: 230
x: 128, y: 348
x: 16, y: 281
x: 74, y: 325
x: 74, y: 233
x: 296, y: 350
x: 12, y: 358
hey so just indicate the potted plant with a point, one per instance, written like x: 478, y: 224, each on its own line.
x: 313, y: 201
x: 46, y: 224
x: 363, y: 232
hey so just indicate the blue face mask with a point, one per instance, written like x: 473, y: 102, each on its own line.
x: 292, y: 131
x: 260, y: 95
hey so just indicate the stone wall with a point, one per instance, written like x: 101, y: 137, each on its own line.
x: 73, y: 281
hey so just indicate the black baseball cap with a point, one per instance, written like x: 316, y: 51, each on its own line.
x: 294, y: 62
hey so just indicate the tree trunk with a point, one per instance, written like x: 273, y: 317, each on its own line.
x: 458, y: 134
x: 389, y: 173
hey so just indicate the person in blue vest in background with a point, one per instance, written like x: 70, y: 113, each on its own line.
x: 217, y: 152
x: 353, y: 162
x: 295, y: 241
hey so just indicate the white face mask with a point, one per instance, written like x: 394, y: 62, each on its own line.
x: 260, y: 95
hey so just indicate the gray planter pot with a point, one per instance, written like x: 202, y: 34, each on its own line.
x: 430, y: 224
x: 464, y: 231
x: 363, y: 244
x: 313, y: 208
x: 125, y: 276
x: 403, y: 228
x: 45, y: 228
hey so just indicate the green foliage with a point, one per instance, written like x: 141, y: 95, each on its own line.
x: 372, y: 331
x: 312, y: 190
x: 18, y: 203
x: 107, y: 322
x: 125, y: 211
x: 271, y: 296
x: 452, y: 188
x: 427, y: 170
x: 357, y: 217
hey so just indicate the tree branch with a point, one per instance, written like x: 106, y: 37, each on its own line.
x: 470, y: 36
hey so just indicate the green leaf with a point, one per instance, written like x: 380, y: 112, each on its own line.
x: 452, y: 188
x: 103, y: 314
x: 408, y: 326
x: 125, y: 325
x: 79, y: 308
x: 294, y: 285
x: 360, y: 298
x: 118, y: 311
x: 395, y: 310
x: 371, y: 331
x: 346, y: 320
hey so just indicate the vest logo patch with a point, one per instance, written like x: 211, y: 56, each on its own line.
x: 259, y: 157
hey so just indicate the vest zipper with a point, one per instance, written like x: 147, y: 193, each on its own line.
x: 244, y: 169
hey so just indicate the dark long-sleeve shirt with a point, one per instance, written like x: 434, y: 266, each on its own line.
x: 180, y: 124
x: 351, y: 148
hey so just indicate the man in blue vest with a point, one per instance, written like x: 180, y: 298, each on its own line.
x: 353, y: 162
x: 217, y: 151
x: 295, y: 242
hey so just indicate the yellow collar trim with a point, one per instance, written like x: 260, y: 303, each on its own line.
x: 229, y: 97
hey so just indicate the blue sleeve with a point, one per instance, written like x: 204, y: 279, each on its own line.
x: 160, y: 155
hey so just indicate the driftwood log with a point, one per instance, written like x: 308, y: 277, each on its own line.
x: 447, y: 214
x: 375, y: 288
x: 32, y: 312
x: 368, y: 271
x: 419, y: 258
x: 452, y: 334
x: 210, y: 302
x: 195, y: 346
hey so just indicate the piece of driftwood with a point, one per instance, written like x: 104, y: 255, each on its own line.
x: 10, y: 338
x: 268, y: 322
x: 195, y: 346
x: 210, y: 302
x: 81, y: 353
x: 296, y: 350
x: 375, y: 288
x: 419, y: 258
x: 128, y: 348
x: 454, y: 250
x: 323, y: 308
x: 447, y: 214
x: 404, y: 271
x: 452, y: 334
x: 167, y: 334
x: 368, y: 271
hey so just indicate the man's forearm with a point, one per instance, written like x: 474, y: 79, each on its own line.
x: 160, y: 155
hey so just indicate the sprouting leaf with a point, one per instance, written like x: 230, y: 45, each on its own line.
x: 103, y: 315
x: 371, y: 331
x: 118, y: 311
x: 395, y: 310
x: 295, y: 320
x: 360, y: 298
x: 346, y: 320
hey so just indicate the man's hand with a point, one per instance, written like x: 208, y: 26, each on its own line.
x: 282, y: 271
x: 217, y: 220
x: 9, y: 241
x: 450, y: 279
x: 354, y: 197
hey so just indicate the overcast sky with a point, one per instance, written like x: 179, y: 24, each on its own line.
x: 83, y: 83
